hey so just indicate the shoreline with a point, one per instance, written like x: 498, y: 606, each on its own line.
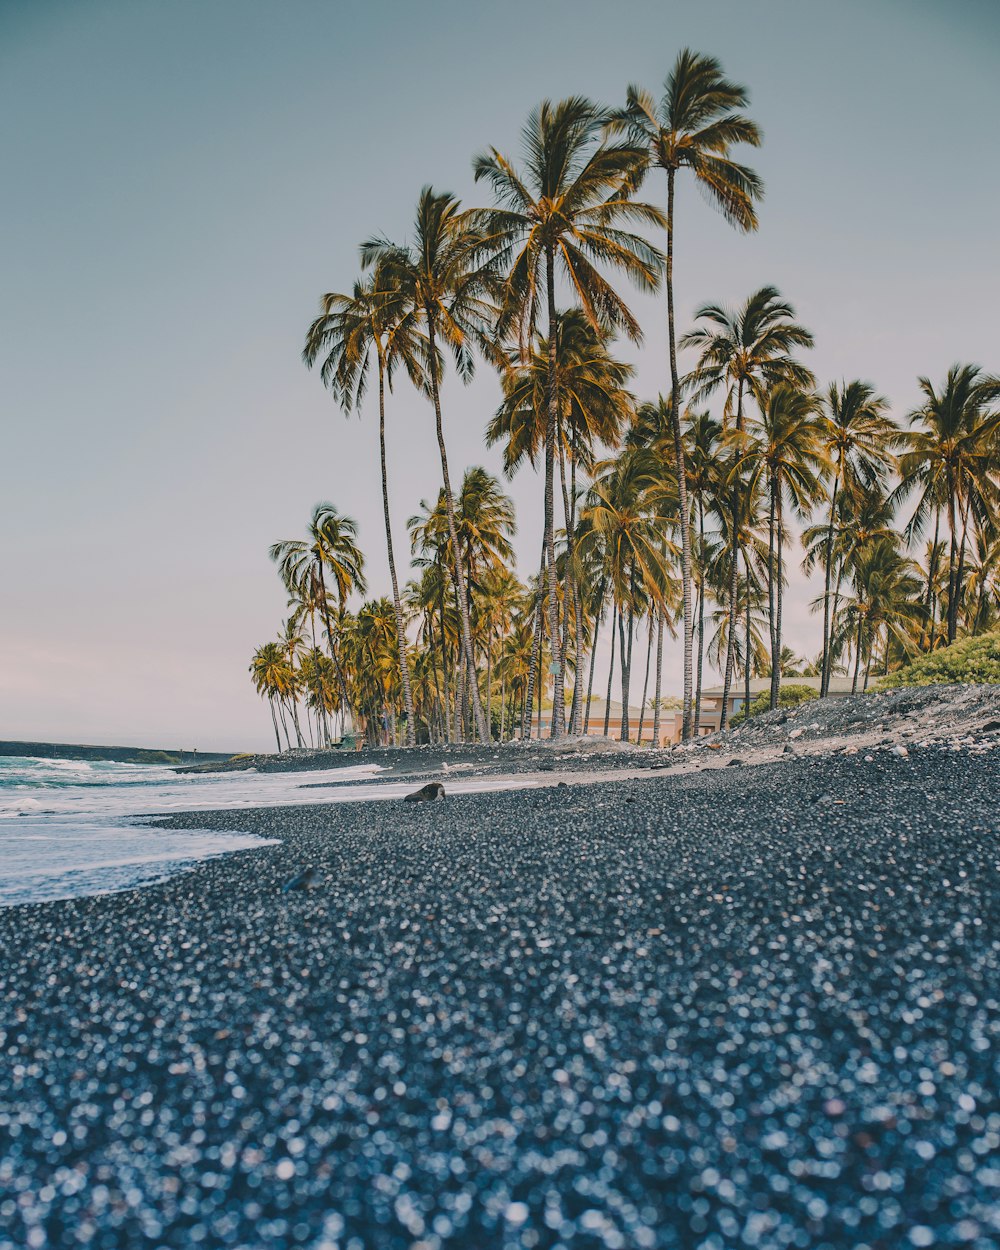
x: 671, y: 991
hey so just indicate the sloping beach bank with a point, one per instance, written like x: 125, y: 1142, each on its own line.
x: 741, y: 1006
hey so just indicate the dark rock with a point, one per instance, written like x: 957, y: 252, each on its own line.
x: 301, y: 881
x: 426, y: 794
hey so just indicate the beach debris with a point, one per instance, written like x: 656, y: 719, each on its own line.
x: 301, y: 881
x: 899, y: 749
x: 426, y: 794
x: 447, y: 768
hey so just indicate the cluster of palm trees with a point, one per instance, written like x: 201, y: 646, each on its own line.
x: 658, y: 516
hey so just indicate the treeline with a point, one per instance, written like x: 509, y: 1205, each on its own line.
x: 679, y: 515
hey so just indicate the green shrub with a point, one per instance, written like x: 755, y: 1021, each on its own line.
x: 789, y: 696
x: 974, y: 660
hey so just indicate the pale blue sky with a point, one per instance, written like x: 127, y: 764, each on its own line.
x: 182, y: 180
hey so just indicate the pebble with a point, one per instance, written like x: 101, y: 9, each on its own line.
x: 723, y: 1014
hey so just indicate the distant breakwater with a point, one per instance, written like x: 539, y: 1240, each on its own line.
x: 119, y: 755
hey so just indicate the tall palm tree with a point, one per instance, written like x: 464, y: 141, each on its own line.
x: 372, y: 323
x: 950, y: 456
x: 784, y: 453
x: 695, y: 127
x: 328, y: 557
x: 565, y: 213
x: 445, y: 278
x: 858, y: 438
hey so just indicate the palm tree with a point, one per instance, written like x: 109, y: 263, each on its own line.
x: 373, y: 322
x: 330, y: 553
x: 374, y: 648
x: 444, y: 279
x: 696, y: 125
x: 702, y: 436
x: 293, y: 643
x: 593, y: 408
x: 784, y: 452
x: 747, y: 351
x: 271, y: 677
x: 950, y: 458
x: 885, y: 598
x: 857, y: 438
x: 621, y: 514
x: 565, y: 213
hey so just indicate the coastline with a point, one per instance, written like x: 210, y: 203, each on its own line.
x: 640, y: 1012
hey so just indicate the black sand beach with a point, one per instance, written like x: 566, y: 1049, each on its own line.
x: 742, y: 1007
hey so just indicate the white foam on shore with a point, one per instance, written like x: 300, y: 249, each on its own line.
x: 68, y: 828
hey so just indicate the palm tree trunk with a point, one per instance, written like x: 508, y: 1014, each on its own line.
x: 284, y: 723
x: 536, y: 651
x: 960, y: 571
x: 541, y: 691
x: 929, y: 606
x: 824, y: 680
x: 734, y: 579
x: 274, y: 721
x: 598, y: 611
x: 625, y: 646
x: 857, y: 656
x: 629, y: 637
x: 611, y: 667
x: 404, y: 667
x: 675, y: 421
x: 701, y: 616
x: 489, y: 684
x: 659, y: 677
x: 772, y: 609
x: 433, y: 661
x: 747, y: 636
x: 576, y: 711
x: 952, y: 544
x: 645, y: 682
x: 446, y: 705
x: 780, y: 598
x: 465, y: 623
x: 733, y: 607
x: 570, y: 596
x: 551, y: 434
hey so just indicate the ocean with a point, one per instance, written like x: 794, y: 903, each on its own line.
x: 70, y: 828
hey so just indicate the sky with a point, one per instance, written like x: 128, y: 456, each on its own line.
x: 182, y: 181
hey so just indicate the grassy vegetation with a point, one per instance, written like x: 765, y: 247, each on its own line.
x: 790, y: 696
x: 968, y: 660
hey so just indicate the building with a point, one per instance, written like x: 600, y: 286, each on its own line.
x: 671, y: 718
x: 711, y: 702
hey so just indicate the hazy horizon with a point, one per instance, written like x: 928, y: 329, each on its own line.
x: 185, y: 181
